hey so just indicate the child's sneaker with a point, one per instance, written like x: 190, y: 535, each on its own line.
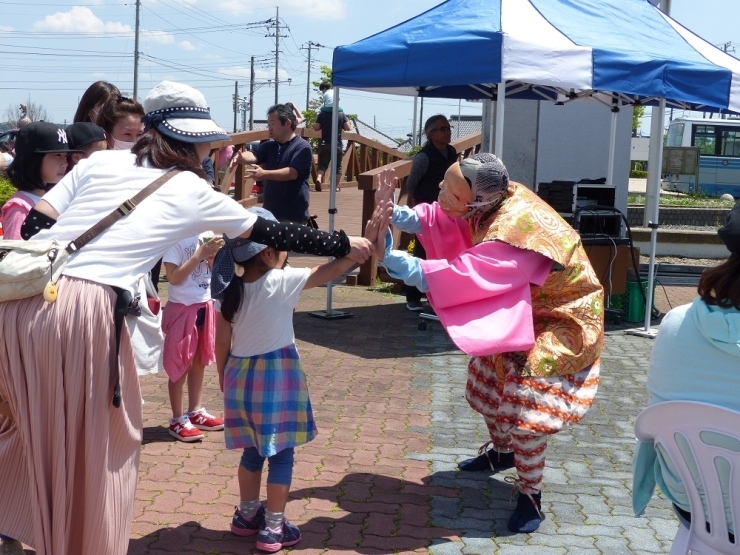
x: 182, y: 429
x: 271, y: 541
x: 248, y: 526
x: 203, y: 420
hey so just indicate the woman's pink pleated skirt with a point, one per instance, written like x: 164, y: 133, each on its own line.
x: 68, y: 458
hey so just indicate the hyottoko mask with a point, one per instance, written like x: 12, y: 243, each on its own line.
x: 474, y: 187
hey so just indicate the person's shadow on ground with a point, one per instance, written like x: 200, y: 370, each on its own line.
x: 367, y: 513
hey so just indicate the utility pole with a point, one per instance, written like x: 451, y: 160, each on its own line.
x: 136, y: 52
x: 277, y: 50
x: 277, y: 36
x: 308, y: 79
x: 251, y: 94
x: 236, y: 102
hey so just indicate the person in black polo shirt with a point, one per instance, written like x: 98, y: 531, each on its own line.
x: 427, y: 172
x: 283, y: 165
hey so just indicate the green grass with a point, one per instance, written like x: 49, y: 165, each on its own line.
x: 6, y: 189
x: 688, y: 201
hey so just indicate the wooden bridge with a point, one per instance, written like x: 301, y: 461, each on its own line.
x: 363, y: 162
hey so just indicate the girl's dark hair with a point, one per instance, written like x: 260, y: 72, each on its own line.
x: 97, y: 93
x: 117, y: 108
x: 234, y: 292
x: 24, y: 171
x: 164, y: 152
x: 721, y: 285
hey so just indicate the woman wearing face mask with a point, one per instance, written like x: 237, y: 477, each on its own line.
x: 121, y: 120
x: 513, y: 287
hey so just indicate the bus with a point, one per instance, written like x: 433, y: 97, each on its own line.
x: 718, y: 141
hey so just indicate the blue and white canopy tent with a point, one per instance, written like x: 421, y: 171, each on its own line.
x: 620, y: 52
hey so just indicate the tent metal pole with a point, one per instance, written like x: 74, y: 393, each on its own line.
x: 413, y: 122
x: 654, y: 169
x: 486, y: 143
x: 500, y: 102
x: 330, y: 314
x: 612, y: 146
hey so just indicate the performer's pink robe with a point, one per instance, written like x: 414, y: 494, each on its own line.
x: 481, y: 293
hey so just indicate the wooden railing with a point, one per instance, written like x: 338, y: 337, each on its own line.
x: 368, y: 182
x: 364, y: 161
x: 362, y: 155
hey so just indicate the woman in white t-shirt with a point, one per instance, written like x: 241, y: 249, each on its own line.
x: 69, y: 462
x: 189, y: 325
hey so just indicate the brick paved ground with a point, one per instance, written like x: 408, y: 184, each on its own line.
x: 381, y: 476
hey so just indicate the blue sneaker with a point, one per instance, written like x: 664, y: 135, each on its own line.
x: 248, y: 526
x: 271, y: 541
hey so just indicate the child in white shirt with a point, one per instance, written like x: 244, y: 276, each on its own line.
x: 188, y: 322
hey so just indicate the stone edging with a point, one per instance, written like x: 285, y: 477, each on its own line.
x: 680, y: 216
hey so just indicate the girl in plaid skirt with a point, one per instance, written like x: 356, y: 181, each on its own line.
x: 267, y: 410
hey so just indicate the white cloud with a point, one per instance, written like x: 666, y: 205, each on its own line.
x: 312, y: 9
x: 5, y: 28
x: 187, y: 45
x: 80, y: 20
x: 157, y: 37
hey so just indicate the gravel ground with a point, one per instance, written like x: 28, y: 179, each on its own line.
x: 690, y: 227
x: 681, y: 260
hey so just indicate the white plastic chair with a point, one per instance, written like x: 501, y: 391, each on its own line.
x: 704, y: 429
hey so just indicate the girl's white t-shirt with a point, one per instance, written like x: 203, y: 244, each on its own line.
x: 196, y: 288
x: 264, y: 322
x: 183, y: 207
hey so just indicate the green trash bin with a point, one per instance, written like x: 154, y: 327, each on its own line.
x: 631, y: 302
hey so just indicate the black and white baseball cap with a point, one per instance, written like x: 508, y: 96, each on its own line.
x: 41, y: 137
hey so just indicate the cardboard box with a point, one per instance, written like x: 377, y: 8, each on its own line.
x: 614, y: 281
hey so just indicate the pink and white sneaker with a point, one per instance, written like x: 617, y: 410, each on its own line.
x: 203, y: 420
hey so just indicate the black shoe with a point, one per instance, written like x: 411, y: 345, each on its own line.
x: 416, y: 306
x: 317, y: 187
x: 490, y: 461
x: 527, y: 516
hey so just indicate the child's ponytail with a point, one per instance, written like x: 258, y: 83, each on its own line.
x: 232, y: 297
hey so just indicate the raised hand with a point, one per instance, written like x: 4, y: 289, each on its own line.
x: 387, y: 183
x: 377, y: 227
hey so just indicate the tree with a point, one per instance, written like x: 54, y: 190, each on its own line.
x: 637, y: 113
x: 33, y: 111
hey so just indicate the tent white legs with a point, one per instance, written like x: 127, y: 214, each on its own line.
x: 498, y: 147
x: 329, y: 313
x: 612, y: 147
x: 486, y: 140
x: 653, y: 189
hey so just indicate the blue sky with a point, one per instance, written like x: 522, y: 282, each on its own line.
x: 50, y: 51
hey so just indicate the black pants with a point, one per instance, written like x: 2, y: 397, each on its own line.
x: 412, y: 293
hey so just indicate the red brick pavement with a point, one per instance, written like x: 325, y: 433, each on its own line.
x: 353, y: 490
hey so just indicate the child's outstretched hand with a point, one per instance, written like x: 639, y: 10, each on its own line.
x: 361, y: 249
x: 377, y: 227
x: 387, y: 183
